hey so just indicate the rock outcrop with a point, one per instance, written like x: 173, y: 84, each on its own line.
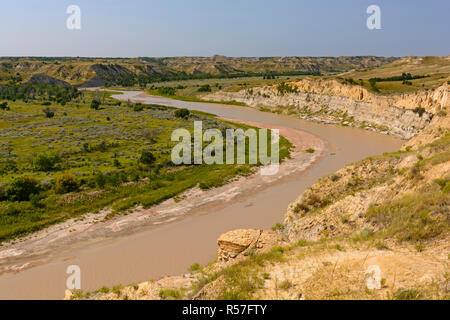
x: 237, y: 243
x: 403, y: 115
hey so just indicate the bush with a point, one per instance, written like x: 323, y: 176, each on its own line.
x: 170, y: 294
x: 22, y: 188
x: 8, y: 166
x: 4, y: 106
x: 408, y: 294
x: 205, y: 88
x: 147, y: 157
x: 45, y: 162
x: 284, y: 88
x: 195, y: 267
x: 49, y: 113
x: 419, y: 110
x: 35, y: 200
x: 100, y: 179
x: 168, y: 91
x: 182, y: 113
x: 138, y: 107
x: 66, y: 183
x: 3, y: 196
x: 95, y: 104
x: 12, y: 210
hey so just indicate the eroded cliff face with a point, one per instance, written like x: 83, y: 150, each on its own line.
x: 403, y: 115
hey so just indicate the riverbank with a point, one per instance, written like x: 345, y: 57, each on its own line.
x: 94, y: 226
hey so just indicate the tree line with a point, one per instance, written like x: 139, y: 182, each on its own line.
x: 59, y: 94
x: 141, y: 80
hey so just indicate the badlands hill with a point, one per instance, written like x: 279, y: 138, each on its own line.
x: 133, y: 71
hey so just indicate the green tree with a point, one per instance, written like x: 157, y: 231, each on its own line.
x: 22, y: 188
x: 45, y: 162
x: 4, y: 106
x: 95, y: 104
x: 182, y: 113
x: 147, y: 157
x: 49, y: 113
x: 205, y: 88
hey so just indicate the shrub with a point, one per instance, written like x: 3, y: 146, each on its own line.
x: 147, y: 157
x: 170, y: 294
x: 182, y: 113
x: 373, y: 85
x: 4, y: 106
x: 138, y: 107
x: 301, y: 207
x: 335, y: 177
x: 22, y: 188
x: 419, y: 110
x: 442, y: 182
x: 446, y: 188
x: 104, y: 290
x: 95, y: 104
x: 8, y: 166
x: 284, y: 88
x: 49, y: 113
x: 115, y: 178
x: 284, y: 285
x: 169, y: 91
x: 204, y: 88
x: 3, y: 196
x: 65, y: 183
x: 310, y: 150
x: 35, y: 200
x: 100, y: 179
x: 117, y: 163
x: 278, y: 226
x: 12, y: 210
x: 195, y: 267
x: 45, y: 162
x: 408, y: 294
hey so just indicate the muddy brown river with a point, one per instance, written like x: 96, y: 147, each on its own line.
x: 169, y: 249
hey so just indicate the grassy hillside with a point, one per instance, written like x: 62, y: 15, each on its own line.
x: 140, y: 71
x: 435, y: 71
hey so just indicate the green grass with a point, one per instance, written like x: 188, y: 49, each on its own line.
x: 242, y: 279
x: 193, y: 98
x: 101, y: 150
x: 170, y: 294
x: 408, y: 294
x: 414, y: 217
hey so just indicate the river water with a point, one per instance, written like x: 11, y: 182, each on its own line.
x: 170, y: 249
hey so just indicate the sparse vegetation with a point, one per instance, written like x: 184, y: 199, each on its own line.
x: 170, y: 294
x: 414, y: 217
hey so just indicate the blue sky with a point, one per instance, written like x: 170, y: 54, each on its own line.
x: 119, y: 28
